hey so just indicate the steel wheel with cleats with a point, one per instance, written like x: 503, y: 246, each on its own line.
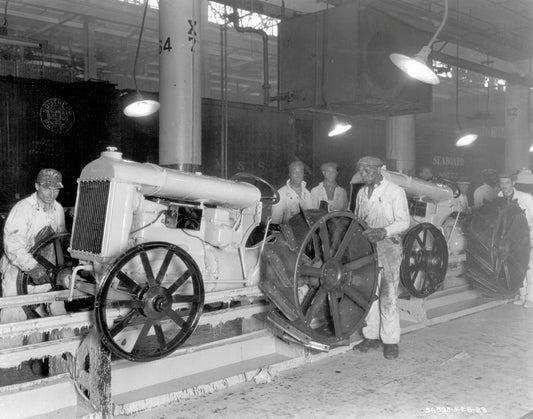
x: 335, y: 278
x: 425, y: 260
x: 149, y: 302
x: 51, y: 253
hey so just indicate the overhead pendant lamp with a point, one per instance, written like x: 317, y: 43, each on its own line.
x: 417, y: 67
x: 338, y: 127
x: 139, y: 106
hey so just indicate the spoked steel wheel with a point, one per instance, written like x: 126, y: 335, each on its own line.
x: 335, y: 277
x: 51, y: 253
x: 497, y: 248
x: 150, y: 301
x: 425, y: 260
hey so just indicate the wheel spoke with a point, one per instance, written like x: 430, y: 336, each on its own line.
x: 355, y: 296
x: 324, y: 238
x: 346, y: 239
x: 164, y: 267
x: 316, y: 304
x: 335, y: 313
x: 121, y: 325
x: 179, y: 282
x: 317, y: 249
x: 125, y: 304
x: 419, y: 242
x: 147, y: 269
x: 45, y: 262
x: 129, y: 283
x: 306, y: 270
x: 186, y: 298
x: 144, y: 332
x: 304, y: 305
x: 60, y: 257
x: 359, y: 263
x: 176, y: 318
x: 160, y: 336
x: 425, y: 237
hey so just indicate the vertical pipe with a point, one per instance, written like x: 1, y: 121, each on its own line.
x: 400, y: 145
x: 516, y: 128
x: 180, y: 84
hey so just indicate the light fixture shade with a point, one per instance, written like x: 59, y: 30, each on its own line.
x: 531, y: 149
x: 339, y: 127
x: 466, y: 139
x: 140, y: 107
x: 416, y: 67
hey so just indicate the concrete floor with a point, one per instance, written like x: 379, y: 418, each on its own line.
x: 476, y: 366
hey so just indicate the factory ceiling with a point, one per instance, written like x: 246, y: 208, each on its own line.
x: 96, y: 39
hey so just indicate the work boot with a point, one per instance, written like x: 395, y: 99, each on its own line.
x: 367, y: 344
x: 390, y: 350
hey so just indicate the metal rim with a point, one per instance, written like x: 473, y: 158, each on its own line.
x: 131, y: 303
x: 335, y: 277
x: 60, y: 264
x: 425, y: 260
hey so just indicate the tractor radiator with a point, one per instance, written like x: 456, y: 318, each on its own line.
x: 88, y: 229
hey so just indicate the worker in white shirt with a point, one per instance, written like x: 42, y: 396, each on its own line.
x: 382, y: 205
x: 525, y: 202
x: 328, y: 194
x: 293, y: 196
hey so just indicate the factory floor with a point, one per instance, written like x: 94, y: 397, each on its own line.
x: 475, y: 366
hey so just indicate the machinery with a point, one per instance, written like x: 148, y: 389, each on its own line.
x: 150, y: 246
x: 498, y: 244
x: 434, y: 233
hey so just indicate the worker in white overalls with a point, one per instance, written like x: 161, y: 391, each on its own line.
x: 383, y: 206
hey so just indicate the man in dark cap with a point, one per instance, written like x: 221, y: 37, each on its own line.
x: 328, y: 193
x: 293, y: 196
x: 30, y: 220
x: 382, y: 205
x: 489, y: 190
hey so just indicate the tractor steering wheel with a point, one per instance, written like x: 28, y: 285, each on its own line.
x: 255, y: 180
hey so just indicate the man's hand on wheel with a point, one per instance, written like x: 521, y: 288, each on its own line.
x: 375, y: 235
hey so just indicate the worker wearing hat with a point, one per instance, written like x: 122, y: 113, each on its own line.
x: 29, y: 221
x: 382, y: 205
x: 525, y: 202
x: 293, y: 196
x: 328, y: 193
x: 489, y: 190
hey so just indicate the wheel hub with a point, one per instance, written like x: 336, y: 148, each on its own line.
x: 332, y: 275
x: 157, y: 302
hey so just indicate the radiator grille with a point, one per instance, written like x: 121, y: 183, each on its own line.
x: 88, y: 230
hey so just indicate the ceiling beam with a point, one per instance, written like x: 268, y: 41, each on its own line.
x: 479, y: 68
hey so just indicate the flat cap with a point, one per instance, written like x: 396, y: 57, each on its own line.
x: 49, y: 178
x: 329, y: 166
x: 370, y: 161
x: 296, y: 164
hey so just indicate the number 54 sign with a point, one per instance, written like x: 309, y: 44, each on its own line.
x: 166, y: 45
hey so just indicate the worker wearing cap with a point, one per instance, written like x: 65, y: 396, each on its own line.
x: 489, y: 190
x: 328, y: 193
x: 525, y: 202
x: 293, y: 196
x: 30, y: 220
x: 382, y: 205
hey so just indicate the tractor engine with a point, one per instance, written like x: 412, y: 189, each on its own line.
x: 121, y: 204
